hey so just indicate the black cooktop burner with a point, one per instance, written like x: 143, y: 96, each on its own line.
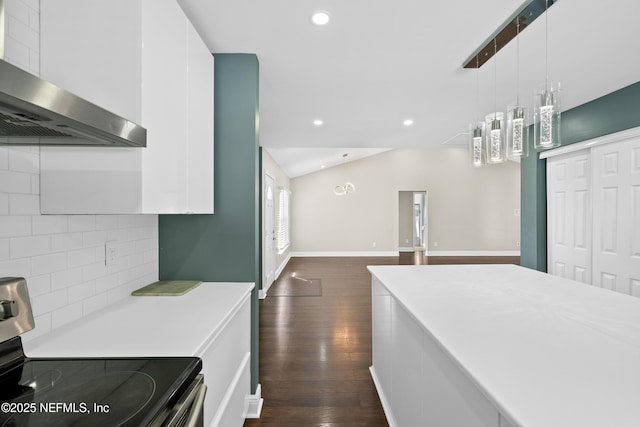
x: 92, y: 392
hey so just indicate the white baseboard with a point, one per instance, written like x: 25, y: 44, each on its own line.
x: 396, y: 253
x: 254, y: 403
x: 263, y: 292
x: 345, y: 254
x: 474, y: 253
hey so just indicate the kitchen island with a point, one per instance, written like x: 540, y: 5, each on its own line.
x: 502, y: 345
x: 212, y: 322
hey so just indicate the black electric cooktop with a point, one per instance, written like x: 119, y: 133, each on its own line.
x: 92, y: 392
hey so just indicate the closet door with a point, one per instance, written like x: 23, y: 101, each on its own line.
x: 569, y: 216
x: 616, y: 216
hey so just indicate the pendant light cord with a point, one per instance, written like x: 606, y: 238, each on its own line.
x: 517, y: 61
x: 546, y: 42
x: 495, y: 79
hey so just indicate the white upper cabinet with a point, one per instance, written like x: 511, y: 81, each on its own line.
x: 142, y: 60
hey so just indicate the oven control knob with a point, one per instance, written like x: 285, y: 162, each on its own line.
x: 8, y: 309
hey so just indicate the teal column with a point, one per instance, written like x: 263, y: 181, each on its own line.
x: 224, y: 247
x: 611, y: 113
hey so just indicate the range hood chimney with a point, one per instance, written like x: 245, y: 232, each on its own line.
x: 34, y: 111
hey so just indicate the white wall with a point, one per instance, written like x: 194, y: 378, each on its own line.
x: 470, y: 210
x: 62, y: 257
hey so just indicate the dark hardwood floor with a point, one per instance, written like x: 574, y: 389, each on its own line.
x: 315, y: 342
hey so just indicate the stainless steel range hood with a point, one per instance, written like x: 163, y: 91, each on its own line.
x: 34, y: 111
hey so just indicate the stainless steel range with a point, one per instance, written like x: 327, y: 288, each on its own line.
x: 154, y: 391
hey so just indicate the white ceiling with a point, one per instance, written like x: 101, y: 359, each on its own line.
x: 379, y: 62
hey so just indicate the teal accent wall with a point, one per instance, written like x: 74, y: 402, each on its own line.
x: 224, y: 247
x: 611, y: 113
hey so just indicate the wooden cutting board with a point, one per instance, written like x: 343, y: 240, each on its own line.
x: 167, y: 288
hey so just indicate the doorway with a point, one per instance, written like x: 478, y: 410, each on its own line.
x: 269, y: 231
x: 412, y: 222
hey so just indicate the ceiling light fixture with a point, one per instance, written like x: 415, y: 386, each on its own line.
x: 496, y: 148
x: 342, y: 190
x: 320, y: 18
x: 517, y: 115
x: 525, y: 15
x: 476, y: 131
x: 408, y: 122
x: 318, y: 122
x: 546, y: 103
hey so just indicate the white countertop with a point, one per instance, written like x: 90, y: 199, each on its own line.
x: 545, y: 350
x: 146, y: 326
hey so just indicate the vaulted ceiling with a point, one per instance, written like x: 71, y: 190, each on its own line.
x: 378, y: 63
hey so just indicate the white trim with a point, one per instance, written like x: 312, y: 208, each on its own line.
x: 474, y: 253
x: 254, y: 403
x: 396, y: 253
x: 263, y: 292
x: 605, y: 139
x: 406, y: 249
x: 345, y: 254
x: 386, y: 404
x: 226, y: 404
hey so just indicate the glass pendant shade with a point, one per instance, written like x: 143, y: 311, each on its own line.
x: 476, y: 144
x: 496, y: 146
x: 546, y: 107
x: 517, y: 131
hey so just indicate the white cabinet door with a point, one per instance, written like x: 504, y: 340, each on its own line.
x: 616, y: 249
x: 164, y: 107
x: 200, y: 125
x: 593, y: 212
x: 141, y: 59
x: 569, y: 216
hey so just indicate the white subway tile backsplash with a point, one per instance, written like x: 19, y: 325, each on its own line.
x: 4, y: 158
x: 18, y: 10
x: 82, y: 291
x: 93, y: 271
x: 48, y: 263
x: 66, y: 314
x: 23, y: 33
x: 81, y: 257
x: 50, y: 224
x: 15, y: 268
x: 66, y: 242
x: 49, y: 302
x: 94, y: 238
x: 14, y: 226
x: 24, y: 161
x: 4, y: 250
x: 66, y: 278
x: 15, y: 182
x: 24, y: 204
x: 82, y: 223
x: 22, y: 247
x: 4, y: 205
x: 104, y: 283
x: 39, y: 285
x: 106, y: 222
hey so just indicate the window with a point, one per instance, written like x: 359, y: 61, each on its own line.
x: 282, y: 220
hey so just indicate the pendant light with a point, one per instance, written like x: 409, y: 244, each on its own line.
x: 495, y: 124
x: 517, y: 114
x: 477, y: 129
x: 546, y: 103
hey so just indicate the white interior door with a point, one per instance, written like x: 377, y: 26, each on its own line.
x: 269, y: 230
x: 616, y: 233
x: 569, y: 216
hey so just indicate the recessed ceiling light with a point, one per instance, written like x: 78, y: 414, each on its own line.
x: 322, y: 166
x: 407, y: 122
x: 318, y: 122
x: 320, y: 18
